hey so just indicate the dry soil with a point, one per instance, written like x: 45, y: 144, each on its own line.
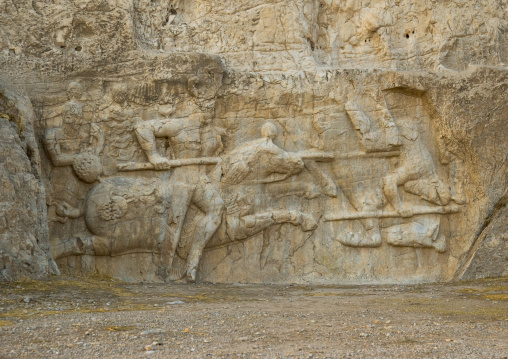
x: 85, y: 318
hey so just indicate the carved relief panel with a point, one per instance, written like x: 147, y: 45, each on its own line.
x: 196, y: 179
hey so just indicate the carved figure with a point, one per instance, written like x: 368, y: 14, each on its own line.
x: 86, y: 164
x: 417, y: 175
x: 259, y: 162
x: 71, y: 116
x: 189, y: 138
x: 375, y: 138
x: 129, y: 215
x: 379, y: 137
x: 117, y: 115
x: 133, y: 215
x: 192, y: 137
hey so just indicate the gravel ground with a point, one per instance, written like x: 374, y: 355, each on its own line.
x: 84, y: 318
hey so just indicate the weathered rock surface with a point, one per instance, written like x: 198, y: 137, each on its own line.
x: 253, y: 141
x: 489, y: 256
x: 24, y: 235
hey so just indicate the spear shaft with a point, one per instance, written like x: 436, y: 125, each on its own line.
x: 391, y: 214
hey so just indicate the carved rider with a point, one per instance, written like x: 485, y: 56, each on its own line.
x: 416, y: 173
x: 189, y: 137
x: 260, y: 161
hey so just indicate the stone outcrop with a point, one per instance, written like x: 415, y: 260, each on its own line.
x: 489, y: 256
x: 250, y: 141
x: 24, y: 235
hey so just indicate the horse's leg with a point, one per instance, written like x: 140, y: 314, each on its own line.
x: 77, y: 246
x: 368, y: 200
x: 179, y: 204
x: 247, y: 226
x: 207, y: 198
x: 297, y: 218
x: 328, y: 186
x: 69, y: 247
x: 250, y: 225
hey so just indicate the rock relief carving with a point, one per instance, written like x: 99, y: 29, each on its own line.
x: 117, y: 115
x: 261, y: 162
x: 131, y: 215
x: 417, y: 225
x: 107, y: 207
x: 202, y: 197
x: 86, y: 164
x: 123, y: 212
x: 73, y: 139
x: 417, y: 175
x: 73, y: 117
x: 375, y: 136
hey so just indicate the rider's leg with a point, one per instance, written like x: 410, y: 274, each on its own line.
x: 397, y: 178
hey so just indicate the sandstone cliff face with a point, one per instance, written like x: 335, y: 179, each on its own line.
x: 24, y: 235
x: 254, y: 141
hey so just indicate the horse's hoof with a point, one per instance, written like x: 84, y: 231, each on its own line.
x: 175, y: 274
x: 440, y: 244
x: 191, y: 275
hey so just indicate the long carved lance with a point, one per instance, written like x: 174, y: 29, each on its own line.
x: 314, y: 155
x: 357, y: 154
x: 141, y: 166
x: 328, y: 156
x: 392, y: 214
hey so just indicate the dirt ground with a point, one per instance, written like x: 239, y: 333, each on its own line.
x: 85, y: 318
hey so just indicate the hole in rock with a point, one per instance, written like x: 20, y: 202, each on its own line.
x: 311, y: 43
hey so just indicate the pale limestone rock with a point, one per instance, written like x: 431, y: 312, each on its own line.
x: 314, y: 141
x: 489, y: 256
x: 24, y: 236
